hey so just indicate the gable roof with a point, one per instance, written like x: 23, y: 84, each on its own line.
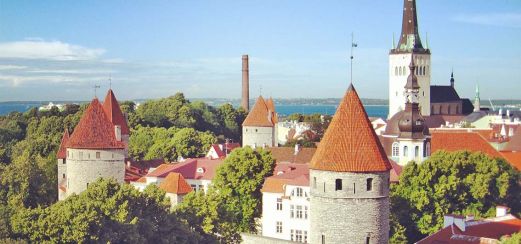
x: 440, y: 94
x: 286, y: 174
x: 62, y: 152
x: 458, y: 141
x: 271, y: 108
x: 113, y: 111
x: 94, y: 131
x: 175, y: 183
x: 350, y: 143
x: 514, y: 158
x: 476, y: 231
x: 189, y: 169
x: 259, y: 115
x: 287, y: 154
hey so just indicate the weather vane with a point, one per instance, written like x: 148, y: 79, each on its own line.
x: 95, y: 89
x: 353, y: 45
x: 110, y: 81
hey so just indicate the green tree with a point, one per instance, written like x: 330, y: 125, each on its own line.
x: 105, y: 212
x: 452, y: 183
x: 234, y: 200
x: 514, y: 239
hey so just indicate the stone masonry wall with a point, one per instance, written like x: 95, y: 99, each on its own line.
x: 351, y: 214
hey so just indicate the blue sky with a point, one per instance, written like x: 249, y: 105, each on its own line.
x: 58, y: 50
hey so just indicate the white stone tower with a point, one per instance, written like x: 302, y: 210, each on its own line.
x: 94, y: 150
x: 414, y: 142
x: 349, y: 177
x: 400, y: 58
x: 477, y: 100
x: 259, y: 127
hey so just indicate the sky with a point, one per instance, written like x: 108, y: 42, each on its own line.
x: 59, y: 50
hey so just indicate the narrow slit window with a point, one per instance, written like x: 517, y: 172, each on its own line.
x: 338, y: 184
x: 369, y: 184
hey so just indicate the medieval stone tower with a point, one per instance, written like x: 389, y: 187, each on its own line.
x: 259, y: 127
x: 400, y: 57
x: 95, y: 149
x: 349, y: 177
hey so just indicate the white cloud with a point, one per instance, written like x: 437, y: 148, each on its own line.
x: 11, y: 67
x: 47, y: 50
x: 491, y: 19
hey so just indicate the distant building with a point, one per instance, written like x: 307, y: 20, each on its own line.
x: 466, y: 229
x: 97, y: 148
x: 349, y: 174
x: 175, y: 187
x: 217, y: 151
x: 433, y: 99
x: 258, y: 129
x: 197, y: 172
x: 285, y: 203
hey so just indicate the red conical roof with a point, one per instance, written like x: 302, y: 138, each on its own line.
x: 350, y: 143
x: 259, y: 115
x: 62, y: 152
x: 113, y: 111
x: 94, y: 131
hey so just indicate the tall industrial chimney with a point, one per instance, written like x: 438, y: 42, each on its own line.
x: 245, y: 84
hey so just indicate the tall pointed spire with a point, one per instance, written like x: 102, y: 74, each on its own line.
x: 410, y: 38
x: 477, y: 100
x: 452, y: 78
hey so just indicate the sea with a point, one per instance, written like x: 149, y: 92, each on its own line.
x: 282, y: 109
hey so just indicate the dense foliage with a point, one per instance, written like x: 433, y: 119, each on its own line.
x: 106, y: 212
x: 233, y: 201
x: 451, y: 183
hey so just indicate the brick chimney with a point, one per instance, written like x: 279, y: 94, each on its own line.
x: 245, y: 84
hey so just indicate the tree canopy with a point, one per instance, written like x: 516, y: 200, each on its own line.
x: 451, y: 183
x: 105, y: 212
x: 233, y: 201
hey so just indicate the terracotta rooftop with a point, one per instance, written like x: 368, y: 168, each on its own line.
x: 194, y: 168
x: 350, y: 143
x: 271, y: 107
x: 62, y: 152
x: 227, y: 148
x: 94, y: 131
x: 259, y: 115
x: 175, y: 183
x: 113, y: 111
x: 476, y: 231
x: 459, y: 141
x: 287, y: 154
x: 514, y: 158
x: 395, y: 172
x: 286, y: 174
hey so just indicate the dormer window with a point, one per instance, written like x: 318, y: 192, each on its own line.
x: 200, y: 170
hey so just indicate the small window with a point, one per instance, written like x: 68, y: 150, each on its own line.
x: 305, y: 212
x: 323, y: 239
x: 87, y: 185
x: 98, y: 155
x: 88, y: 155
x: 300, y: 213
x: 194, y: 187
x: 324, y: 186
x: 292, y: 235
x: 354, y: 188
x: 63, y: 176
x: 81, y: 155
x: 396, y: 149
x: 417, y: 151
x: 314, y: 182
x: 367, y: 240
x: 292, y: 211
x: 405, y: 151
x: 113, y: 155
x: 279, y: 227
x: 256, y: 130
x: 279, y: 204
x: 369, y: 185
x: 338, y: 185
x: 300, y: 192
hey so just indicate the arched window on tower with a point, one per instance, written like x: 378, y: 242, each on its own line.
x: 396, y: 149
x: 405, y: 151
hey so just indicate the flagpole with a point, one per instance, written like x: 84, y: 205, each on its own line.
x: 353, y: 45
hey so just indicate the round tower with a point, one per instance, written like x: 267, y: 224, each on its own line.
x: 94, y: 150
x: 349, y: 176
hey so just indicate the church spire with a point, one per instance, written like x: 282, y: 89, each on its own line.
x: 410, y: 38
x: 477, y: 100
x: 412, y: 124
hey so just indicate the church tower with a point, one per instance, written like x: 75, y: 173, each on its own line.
x: 413, y: 138
x: 349, y: 176
x: 399, y: 59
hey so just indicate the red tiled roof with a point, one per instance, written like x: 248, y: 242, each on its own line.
x: 271, y: 107
x: 62, y: 152
x: 350, y: 143
x: 228, y: 147
x: 175, y: 183
x: 259, y: 115
x: 395, y: 172
x: 514, y: 158
x: 189, y: 169
x: 94, y: 131
x: 475, y: 230
x: 286, y: 174
x: 459, y: 141
x: 113, y: 111
x: 287, y: 154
